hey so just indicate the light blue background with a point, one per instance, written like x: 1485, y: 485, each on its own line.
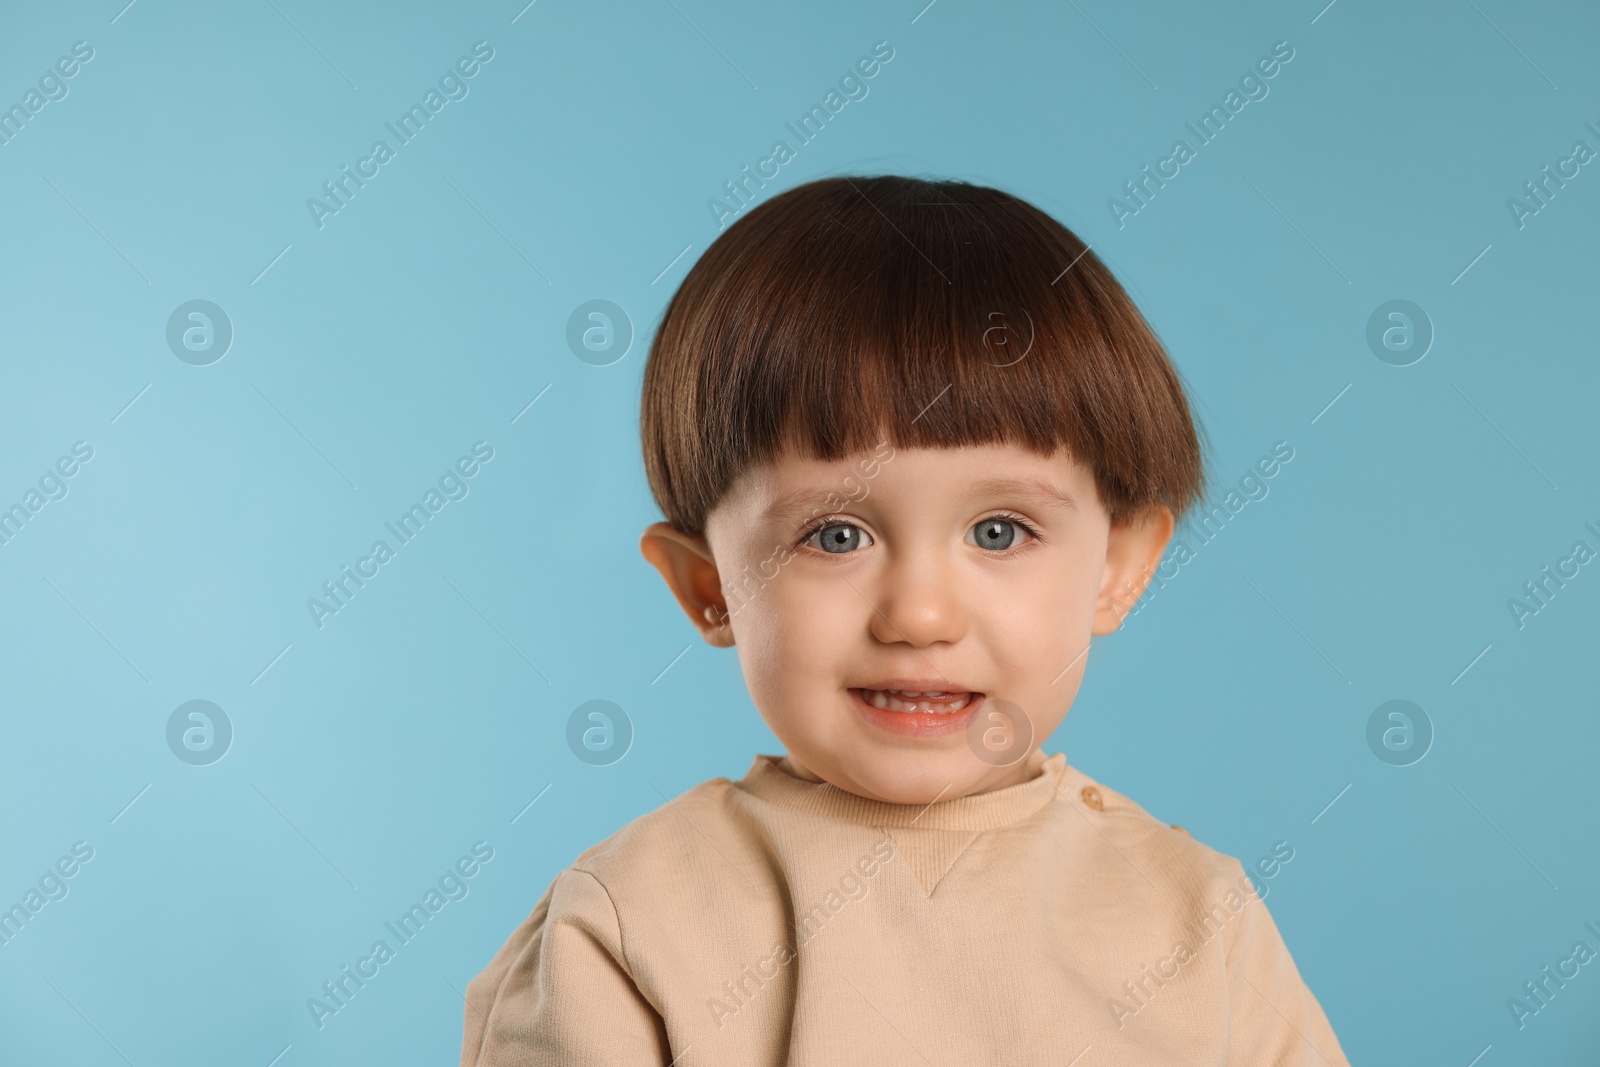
x: 424, y: 317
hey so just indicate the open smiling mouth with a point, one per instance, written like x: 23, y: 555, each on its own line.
x: 941, y: 702
x: 921, y: 712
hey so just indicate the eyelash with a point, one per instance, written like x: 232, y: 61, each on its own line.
x: 1005, y: 516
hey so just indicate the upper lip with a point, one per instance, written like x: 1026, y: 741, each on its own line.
x: 919, y: 685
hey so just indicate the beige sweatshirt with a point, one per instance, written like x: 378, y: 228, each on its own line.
x: 775, y: 920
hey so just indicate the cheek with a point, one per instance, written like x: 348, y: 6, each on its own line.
x: 1060, y: 582
x: 796, y: 632
x: 1034, y: 630
x: 1037, y: 611
x: 1037, y: 644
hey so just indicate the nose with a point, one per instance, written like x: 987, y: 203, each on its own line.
x: 917, y: 601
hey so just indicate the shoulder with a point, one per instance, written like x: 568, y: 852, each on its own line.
x: 1164, y: 853
x: 659, y: 841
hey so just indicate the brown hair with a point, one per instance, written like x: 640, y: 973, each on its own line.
x: 933, y: 313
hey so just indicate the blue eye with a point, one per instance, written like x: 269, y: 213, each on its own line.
x: 838, y: 538
x: 998, y: 533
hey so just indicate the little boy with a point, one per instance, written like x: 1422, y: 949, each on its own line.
x: 915, y: 446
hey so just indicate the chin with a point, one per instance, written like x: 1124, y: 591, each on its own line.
x: 917, y: 777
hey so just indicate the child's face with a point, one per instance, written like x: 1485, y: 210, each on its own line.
x: 930, y: 581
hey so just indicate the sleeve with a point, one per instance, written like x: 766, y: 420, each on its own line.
x: 559, y: 991
x: 1273, y: 1018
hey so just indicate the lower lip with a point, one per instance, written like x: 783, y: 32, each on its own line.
x: 916, y: 723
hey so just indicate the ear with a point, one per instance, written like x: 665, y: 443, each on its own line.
x: 687, y: 566
x: 1133, y: 551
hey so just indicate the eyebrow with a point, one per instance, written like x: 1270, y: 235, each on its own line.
x: 1040, y: 489
x: 791, y: 506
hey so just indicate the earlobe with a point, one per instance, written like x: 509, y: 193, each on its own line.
x: 720, y: 632
x: 1133, y: 551
x: 687, y: 566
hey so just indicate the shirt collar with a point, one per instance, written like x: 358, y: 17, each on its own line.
x: 768, y: 781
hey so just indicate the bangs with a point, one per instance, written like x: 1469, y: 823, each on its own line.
x: 852, y: 311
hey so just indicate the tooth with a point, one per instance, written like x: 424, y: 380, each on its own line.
x: 910, y: 702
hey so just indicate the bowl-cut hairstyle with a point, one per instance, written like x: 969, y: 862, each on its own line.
x: 852, y: 310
